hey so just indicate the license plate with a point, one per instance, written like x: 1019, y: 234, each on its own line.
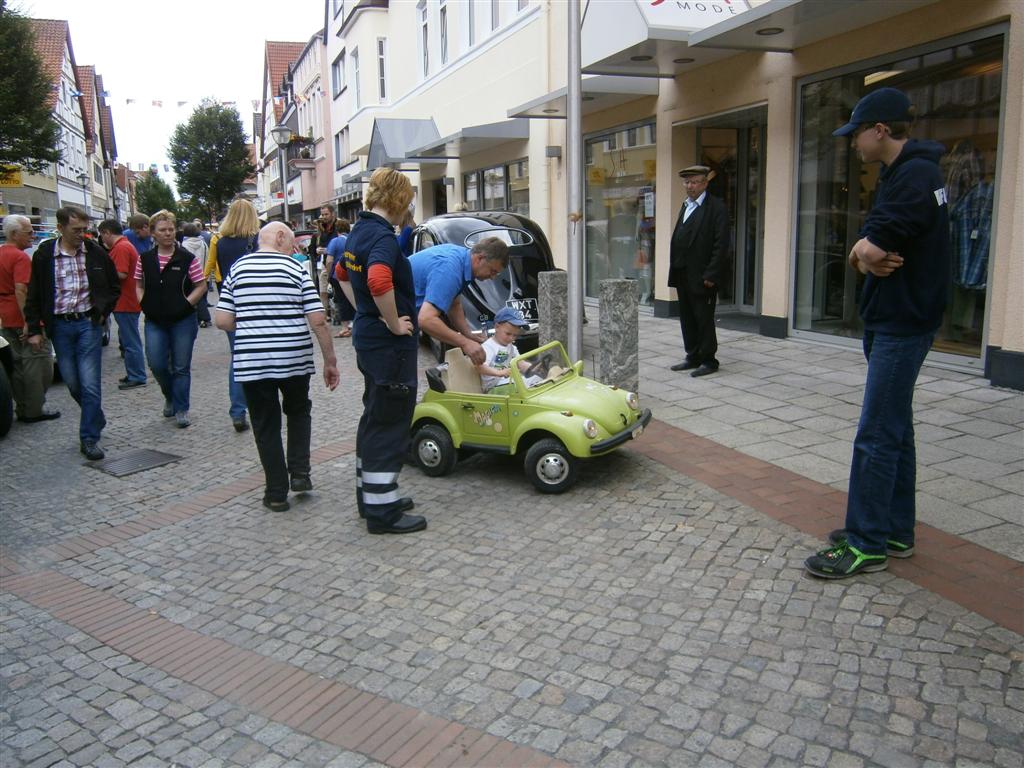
x: 528, y: 307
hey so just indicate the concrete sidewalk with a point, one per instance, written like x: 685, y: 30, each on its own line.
x: 796, y: 404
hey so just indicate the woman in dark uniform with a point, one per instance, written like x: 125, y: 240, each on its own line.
x: 384, y: 335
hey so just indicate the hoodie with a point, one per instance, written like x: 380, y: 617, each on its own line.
x: 910, y: 217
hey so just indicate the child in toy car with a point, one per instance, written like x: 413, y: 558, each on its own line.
x: 501, y: 350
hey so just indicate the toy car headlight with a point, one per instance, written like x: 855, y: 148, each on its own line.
x: 633, y: 400
x: 590, y: 428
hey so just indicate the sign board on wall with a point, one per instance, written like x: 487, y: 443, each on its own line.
x: 10, y: 176
x: 690, y: 14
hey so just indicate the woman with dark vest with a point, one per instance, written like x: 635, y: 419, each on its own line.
x: 235, y: 238
x: 169, y: 282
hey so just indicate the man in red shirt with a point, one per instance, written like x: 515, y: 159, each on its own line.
x: 33, y: 368
x: 127, y: 310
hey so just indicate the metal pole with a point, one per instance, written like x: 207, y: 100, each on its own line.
x: 574, y: 186
x: 282, y: 158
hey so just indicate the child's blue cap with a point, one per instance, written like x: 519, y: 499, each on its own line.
x: 509, y: 315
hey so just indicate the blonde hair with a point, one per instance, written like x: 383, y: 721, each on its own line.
x: 162, y: 215
x: 388, y: 189
x: 241, y: 220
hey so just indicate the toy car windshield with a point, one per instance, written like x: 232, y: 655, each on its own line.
x: 544, y: 366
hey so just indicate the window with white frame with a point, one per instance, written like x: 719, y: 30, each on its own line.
x: 339, y: 8
x: 521, y: 4
x: 341, y: 149
x: 471, y: 19
x: 382, y: 69
x: 494, y: 14
x: 354, y: 58
x: 338, y: 75
x: 424, y: 37
x: 443, y: 28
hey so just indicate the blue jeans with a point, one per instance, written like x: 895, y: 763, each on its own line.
x: 131, y: 341
x: 235, y: 391
x: 79, y: 348
x: 169, y: 353
x: 883, y: 476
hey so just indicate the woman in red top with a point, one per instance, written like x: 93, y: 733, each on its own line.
x: 169, y: 285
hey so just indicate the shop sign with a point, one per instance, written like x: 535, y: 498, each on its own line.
x: 10, y: 176
x: 690, y: 14
x: 595, y: 175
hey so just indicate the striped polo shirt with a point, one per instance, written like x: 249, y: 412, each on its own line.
x: 270, y: 295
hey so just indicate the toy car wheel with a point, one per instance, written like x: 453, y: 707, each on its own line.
x: 550, y: 466
x: 433, y: 450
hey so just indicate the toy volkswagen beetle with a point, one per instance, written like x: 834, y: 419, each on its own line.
x: 555, y: 416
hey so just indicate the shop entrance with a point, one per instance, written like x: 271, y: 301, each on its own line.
x: 733, y: 147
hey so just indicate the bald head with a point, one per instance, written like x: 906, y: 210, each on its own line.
x: 277, y: 236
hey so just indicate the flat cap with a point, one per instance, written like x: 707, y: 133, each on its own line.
x: 695, y: 170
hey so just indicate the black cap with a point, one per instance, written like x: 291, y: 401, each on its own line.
x: 886, y: 105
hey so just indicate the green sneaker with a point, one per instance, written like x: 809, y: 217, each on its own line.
x: 892, y: 548
x: 842, y: 561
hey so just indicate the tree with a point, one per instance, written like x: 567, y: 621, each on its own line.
x: 210, y: 157
x: 29, y: 134
x: 153, y: 194
x: 189, y: 209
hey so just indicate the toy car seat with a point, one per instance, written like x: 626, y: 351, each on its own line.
x: 462, y: 374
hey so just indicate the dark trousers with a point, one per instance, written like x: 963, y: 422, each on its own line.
x: 697, y: 321
x: 265, y: 412
x: 382, y: 439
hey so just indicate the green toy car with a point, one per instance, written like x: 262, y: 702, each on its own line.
x: 555, y: 416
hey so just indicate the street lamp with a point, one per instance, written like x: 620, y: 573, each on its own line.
x: 282, y: 135
x: 83, y: 179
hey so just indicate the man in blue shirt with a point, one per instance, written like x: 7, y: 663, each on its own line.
x: 138, y: 233
x: 439, y: 274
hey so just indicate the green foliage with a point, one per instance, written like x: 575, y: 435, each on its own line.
x: 189, y: 208
x: 209, y: 156
x: 29, y: 134
x: 153, y: 194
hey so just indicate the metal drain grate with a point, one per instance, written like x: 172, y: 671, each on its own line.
x: 134, y: 461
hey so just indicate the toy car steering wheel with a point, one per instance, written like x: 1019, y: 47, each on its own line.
x: 542, y: 361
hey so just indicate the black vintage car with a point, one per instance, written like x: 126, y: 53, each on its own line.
x: 516, y: 286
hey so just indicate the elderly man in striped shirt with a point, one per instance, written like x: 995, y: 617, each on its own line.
x: 269, y: 301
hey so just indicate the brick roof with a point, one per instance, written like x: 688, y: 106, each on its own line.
x: 51, y: 37
x: 278, y: 57
x: 86, y: 74
x: 106, y: 120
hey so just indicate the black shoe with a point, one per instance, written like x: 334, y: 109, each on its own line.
x: 276, y: 506
x: 301, y: 483
x: 404, y: 524
x: 892, y: 548
x: 44, y: 416
x: 240, y: 424
x: 131, y: 384
x: 404, y: 505
x: 91, y: 451
x: 705, y: 369
x: 123, y: 380
x: 686, y: 365
x: 168, y: 410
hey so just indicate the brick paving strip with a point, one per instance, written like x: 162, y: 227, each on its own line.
x: 386, y: 731
x: 976, y: 578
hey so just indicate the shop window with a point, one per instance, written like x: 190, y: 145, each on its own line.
x: 519, y: 187
x: 956, y: 92
x: 620, y: 197
x: 494, y: 189
x: 471, y: 191
x: 501, y: 188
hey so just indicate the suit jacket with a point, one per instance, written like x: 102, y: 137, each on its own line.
x: 699, y: 247
x: 104, y: 286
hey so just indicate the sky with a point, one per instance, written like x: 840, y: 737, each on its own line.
x: 170, y: 53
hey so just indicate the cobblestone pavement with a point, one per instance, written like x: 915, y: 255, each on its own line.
x: 644, y: 619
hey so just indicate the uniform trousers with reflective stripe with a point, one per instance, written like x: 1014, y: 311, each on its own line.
x: 382, y: 440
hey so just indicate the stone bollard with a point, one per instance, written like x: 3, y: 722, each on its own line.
x: 553, y: 307
x: 619, y: 334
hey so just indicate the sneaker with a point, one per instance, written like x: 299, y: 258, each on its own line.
x: 131, y: 384
x: 276, y: 506
x: 90, y: 450
x: 182, y: 419
x: 301, y: 483
x: 168, y: 409
x: 892, y: 548
x: 843, y: 561
x: 240, y: 424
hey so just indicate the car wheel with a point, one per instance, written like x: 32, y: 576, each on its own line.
x: 550, y: 466
x: 6, y: 403
x: 433, y: 450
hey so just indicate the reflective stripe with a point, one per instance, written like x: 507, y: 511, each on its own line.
x: 381, y: 498
x: 379, y: 478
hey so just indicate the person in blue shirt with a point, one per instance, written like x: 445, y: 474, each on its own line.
x: 138, y: 233
x: 336, y: 255
x: 905, y: 252
x: 384, y: 334
x: 440, y: 273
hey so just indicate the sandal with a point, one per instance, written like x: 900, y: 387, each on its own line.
x: 343, y: 334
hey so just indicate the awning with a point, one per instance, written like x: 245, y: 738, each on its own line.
x: 392, y: 138
x: 784, y: 25
x: 474, y: 139
x: 599, y: 92
x: 650, y: 38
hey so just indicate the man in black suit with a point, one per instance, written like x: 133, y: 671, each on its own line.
x: 697, y: 267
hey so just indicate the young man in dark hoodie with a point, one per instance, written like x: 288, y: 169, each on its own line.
x: 904, y: 251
